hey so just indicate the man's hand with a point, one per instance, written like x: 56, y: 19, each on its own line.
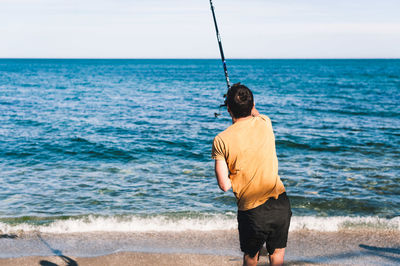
x: 222, y: 174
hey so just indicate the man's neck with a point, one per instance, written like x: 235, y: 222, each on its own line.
x: 234, y: 120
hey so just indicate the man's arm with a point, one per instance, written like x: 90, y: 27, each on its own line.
x: 222, y: 174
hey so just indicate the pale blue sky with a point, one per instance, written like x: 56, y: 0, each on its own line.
x: 184, y: 28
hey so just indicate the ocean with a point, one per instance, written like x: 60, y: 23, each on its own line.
x: 125, y: 145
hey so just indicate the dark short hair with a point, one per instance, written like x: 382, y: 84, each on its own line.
x: 240, y: 100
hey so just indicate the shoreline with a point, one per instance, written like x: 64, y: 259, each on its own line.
x: 379, y: 247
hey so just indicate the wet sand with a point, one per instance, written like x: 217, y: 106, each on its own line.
x: 128, y: 258
x: 348, y: 247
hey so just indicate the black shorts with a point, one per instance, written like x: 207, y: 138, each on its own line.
x: 267, y: 223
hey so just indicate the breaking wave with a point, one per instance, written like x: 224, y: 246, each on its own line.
x: 161, y: 223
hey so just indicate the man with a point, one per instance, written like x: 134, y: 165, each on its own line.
x: 246, y: 161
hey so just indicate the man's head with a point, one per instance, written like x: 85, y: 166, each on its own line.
x: 240, y: 100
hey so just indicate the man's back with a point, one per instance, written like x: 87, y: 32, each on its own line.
x: 248, y: 147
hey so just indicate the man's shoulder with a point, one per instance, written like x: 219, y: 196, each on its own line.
x: 233, y: 130
x: 227, y: 132
x: 265, y: 120
x: 264, y: 117
x: 222, y: 135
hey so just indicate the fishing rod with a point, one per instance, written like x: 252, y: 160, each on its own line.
x: 221, y: 51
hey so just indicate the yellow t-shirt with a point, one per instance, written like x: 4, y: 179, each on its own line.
x: 248, y: 147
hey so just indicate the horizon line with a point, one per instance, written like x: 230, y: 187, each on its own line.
x: 198, y: 58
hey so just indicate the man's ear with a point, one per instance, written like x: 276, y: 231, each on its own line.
x: 229, y: 111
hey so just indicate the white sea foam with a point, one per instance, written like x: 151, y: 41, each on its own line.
x: 127, y: 224
x: 335, y: 223
x: 209, y: 223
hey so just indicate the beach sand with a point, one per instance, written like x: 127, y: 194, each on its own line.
x: 128, y: 258
x: 346, y: 247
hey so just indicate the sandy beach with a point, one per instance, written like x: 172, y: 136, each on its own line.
x: 305, y: 247
x: 128, y: 258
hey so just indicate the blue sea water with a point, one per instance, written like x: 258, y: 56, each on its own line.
x: 132, y: 138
